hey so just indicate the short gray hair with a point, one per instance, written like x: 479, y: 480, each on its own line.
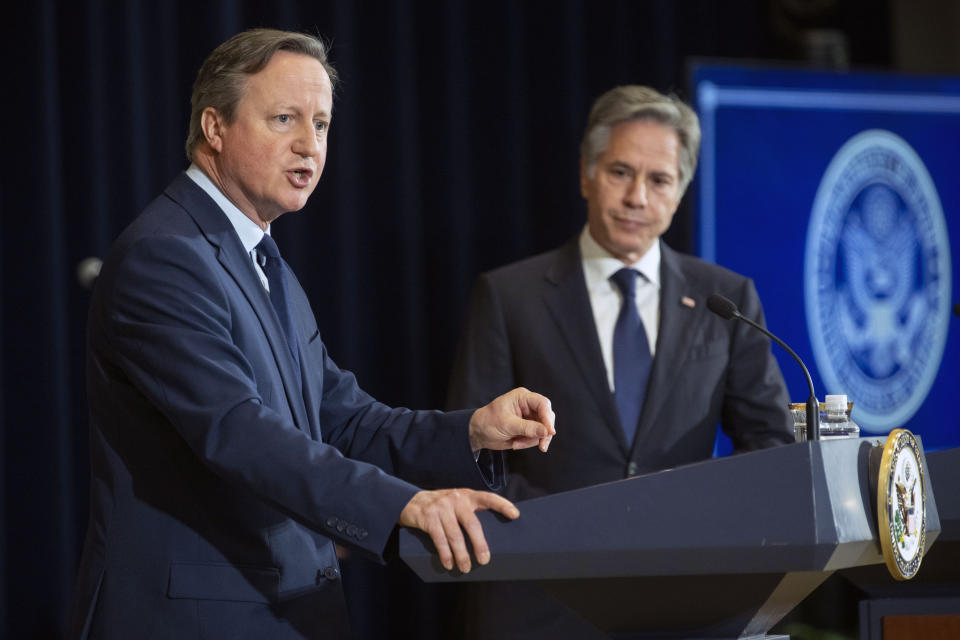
x: 223, y: 76
x: 635, y: 102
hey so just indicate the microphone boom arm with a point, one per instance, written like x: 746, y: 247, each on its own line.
x: 813, y: 406
x: 727, y: 310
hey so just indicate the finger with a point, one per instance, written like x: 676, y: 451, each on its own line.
x: 524, y: 443
x: 545, y: 443
x: 486, y: 500
x: 471, y: 525
x: 439, y: 537
x: 451, y: 526
x: 546, y: 416
x: 539, y: 407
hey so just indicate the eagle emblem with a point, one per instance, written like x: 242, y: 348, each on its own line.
x: 900, y: 507
x: 877, y: 271
x: 882, y: 308
x: 907, y: 508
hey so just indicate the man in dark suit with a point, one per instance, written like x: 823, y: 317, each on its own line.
x: 228, y: 452
x: 613, y: 327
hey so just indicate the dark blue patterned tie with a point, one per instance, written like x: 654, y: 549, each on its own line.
x: 631, y: 355
x: 274, y: 267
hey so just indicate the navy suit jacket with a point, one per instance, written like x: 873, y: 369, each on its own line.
x: 530, y: 324
x: 219, y: 485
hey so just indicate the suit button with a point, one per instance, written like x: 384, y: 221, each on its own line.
x: 341, y: 525
x: 361, y: 534
x: 352, y: 530
x: 331, y: 522
x: 331, y: 573
x: 632, y: 468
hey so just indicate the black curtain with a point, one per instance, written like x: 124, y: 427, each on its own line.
x: 454, y: 149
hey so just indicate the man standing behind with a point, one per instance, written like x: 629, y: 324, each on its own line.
x: 613, y: 325
x: 228, y: 451
x: 631, y: 401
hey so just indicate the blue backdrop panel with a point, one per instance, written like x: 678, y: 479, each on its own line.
x: 837, y: 193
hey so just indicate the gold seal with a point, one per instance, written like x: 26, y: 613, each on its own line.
x: 901, y: 510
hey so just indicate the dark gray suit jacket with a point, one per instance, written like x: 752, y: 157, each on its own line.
x: 530, y: 324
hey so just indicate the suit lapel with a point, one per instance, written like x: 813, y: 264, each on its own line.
x: 673, y: 342
x: 568, y: 302
x: 220, y: 233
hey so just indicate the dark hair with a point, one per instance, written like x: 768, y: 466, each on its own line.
x: 222, y: 78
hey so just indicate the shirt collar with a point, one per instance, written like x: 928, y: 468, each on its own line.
x: 599, y: 264
x: 250, y: 234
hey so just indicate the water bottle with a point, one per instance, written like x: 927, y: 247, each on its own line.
x: 835, y: 422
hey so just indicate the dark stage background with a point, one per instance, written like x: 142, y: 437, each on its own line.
x: 454, y: 149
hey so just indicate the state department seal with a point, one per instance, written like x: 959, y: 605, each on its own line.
x: 901, y: 509
x: 877, y: 279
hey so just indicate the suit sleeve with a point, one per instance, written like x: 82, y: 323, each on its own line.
x: 428, y: 448
x: 755, y: 408
x: 165, y: 324
x: 483, y: 367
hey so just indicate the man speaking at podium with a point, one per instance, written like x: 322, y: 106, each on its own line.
x: 228, y: 451
x: 613, y: 327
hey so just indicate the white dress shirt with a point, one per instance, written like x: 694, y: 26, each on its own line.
x: 250, y: 234
x: 606, y: 298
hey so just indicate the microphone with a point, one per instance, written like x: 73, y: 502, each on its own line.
x: 956, y: 308
x: 87, y: 271
x: 727, y: 310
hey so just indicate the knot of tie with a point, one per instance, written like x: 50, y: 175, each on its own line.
x: 626, y: 281
x: 267, y: 249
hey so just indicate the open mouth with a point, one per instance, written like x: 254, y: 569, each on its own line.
x: 300, y: 177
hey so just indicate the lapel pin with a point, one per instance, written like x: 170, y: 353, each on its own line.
x: 688, y: 301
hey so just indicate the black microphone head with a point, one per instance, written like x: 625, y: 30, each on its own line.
x: 956, y: 308
x: 722, y: 307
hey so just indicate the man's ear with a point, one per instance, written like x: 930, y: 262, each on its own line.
x: 583, y: 178
x: 213, y: 126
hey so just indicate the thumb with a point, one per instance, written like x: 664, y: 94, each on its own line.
x: 521, y: 427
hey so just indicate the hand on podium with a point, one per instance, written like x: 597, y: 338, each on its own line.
x: 445, y: 514
x: 516, y: 420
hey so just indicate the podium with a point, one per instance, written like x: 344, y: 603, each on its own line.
x: 719, y: 549
x: 935, y: 591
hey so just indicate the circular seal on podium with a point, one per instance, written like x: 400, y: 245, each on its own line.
x: 901, y: 510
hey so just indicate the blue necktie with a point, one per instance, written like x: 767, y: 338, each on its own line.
x: 631, y: 355
x: 274, y: 267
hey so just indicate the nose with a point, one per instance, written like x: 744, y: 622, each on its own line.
x: 307, y: 142
x: 636, y: 195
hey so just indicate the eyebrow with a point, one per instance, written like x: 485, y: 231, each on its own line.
x: 287, y: 107
x: 665, y: 173
x: 620, y: 164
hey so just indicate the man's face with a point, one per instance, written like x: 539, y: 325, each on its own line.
x: 271, y: 156
x: 635, y: 188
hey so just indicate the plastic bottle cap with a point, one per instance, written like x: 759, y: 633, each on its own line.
x: 837, y: 402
